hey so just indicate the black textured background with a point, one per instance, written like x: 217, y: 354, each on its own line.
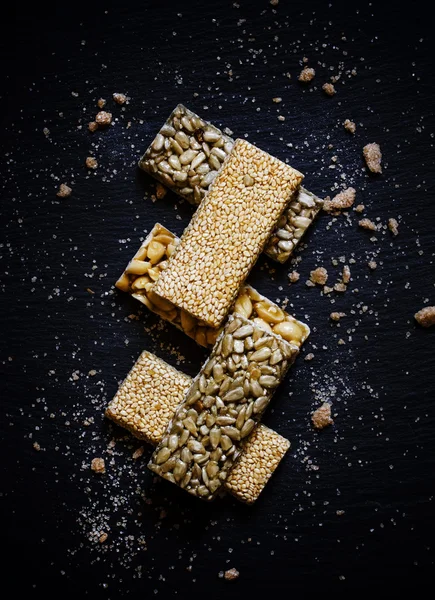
x: 377, y: 462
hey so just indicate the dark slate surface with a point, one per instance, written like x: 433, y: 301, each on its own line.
x: 377, y: 462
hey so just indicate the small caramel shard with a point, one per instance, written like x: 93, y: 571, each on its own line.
x: 103, y: 118
x: 232, y: 574
x: 329, y: 89
x: 319, y: 276
x: 93, y: 126
x: 336, y: 316
x: 91, y: 162
x: 373, y: 157
x: 64, y: 191
x: 321, y: 417
x: 393, y: 226
x: 98, y: 465
x: 306, y: 75
x: 349, y: 126
x: 101, y: 103
x: 426, y: 316
x: 341, y: 201
x: 120, y: 98
x: 346, y: 274
x: 293, y: 276
x: 367, y: 224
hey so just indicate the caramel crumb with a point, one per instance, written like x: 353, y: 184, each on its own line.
x: 120, y: 98
x: 349, y: 126
x: 103, y: 118
x: 319, y: 276
x: 160, y: 191
x: 64, y: 191
x: 393, y: 226
x: 98, y: 465
x: 426, y: 316
x: 367, y: 224
x: 340, y: 287
x: 346, y: 274
x: 231, y: 574
x: 322, y: 416
x: 336, y: 316
x: 293, y: 276
x: 103, y: 537
x: 93, y: 126
x: 36, y: 446
x: 277, y: 100
x: 342, y: 200
x: 329, y: 89
x: 90, y: 291
x: 373, y: 157
x: 138, y: 453
x: 372, y: 265
x: 92, y: 373
x: 309, y: 356
x: 91, y: 162
x: 101, y: 103
x: 359, y: 208
x: 306, y: 75
x: 327, y: 289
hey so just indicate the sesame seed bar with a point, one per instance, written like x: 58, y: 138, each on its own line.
x: 221, y: 408
x: 227, y: 233
x: 137, y: 281
x: 208, y: 147
x: 144, y: 404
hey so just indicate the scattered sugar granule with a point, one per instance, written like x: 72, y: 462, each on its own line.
x: 160, y: 191
x: 393, y: 226
x: 426, y: 316
x: 103, y: 118
x: 101, y: 103
x: 329, y: 89
x: 322, y: 416
x: 344, y: 199
x: 103, y: 537
x: 119, y: 98
x: 373, y: 157
x: 92, y: 126
x: 309, y: 356
x: 46, y: 131
x: 277, y: 100
x: 64, y: 191
x: 340, y: 287
x: 372, y: 265
x: 293, y: 276
x: 306, y: 75
x: 231, y: 574
x: 319, y: 276
x: 336, y: 316
x: 138, y: 453
x: 349, y: 126
x: 98, y: 465
x: 346, y: 274
x: 359, y: 208
x: 91, y: 162
x: 367, y: 224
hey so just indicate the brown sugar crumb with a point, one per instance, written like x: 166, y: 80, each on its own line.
x: 372, y: 265
x: 346, y: 274
x: 322, y: 416
x: 359, y: 208
x: 92, y: 126
x: 393, y: 226
x: 426, y: 316
x: 349, y: 126
x: 306, y: 75
x: 91, y: 162
x: 64, y: 191
x: 339, y: 513
x: 329, y: 89
x: 120, y: 98
x: 340, y: 287
x: 274, y: 2
x: 103, y: 537
x: 138, y: 453
x: 277, y: 100
x: 103, y: 118
x: 336, y: 316
x: 373, y: 157
x: 231, y: 574
x: 101, y: 103
x: 36, y: 446
x: 160, y: 191
x: 98, y: 465
x: 327, y: 289
x: 344, y: 199
x: 293, y: 276
x: 309, y: 356
x: 319, y: 276
x: 367, y: 224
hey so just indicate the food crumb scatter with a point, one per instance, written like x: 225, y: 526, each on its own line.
x: 373, y: 157
x: 367, y: 224
x: 103, y: 537
x: 336, y: 316
x: 277, y: 100
x: 309, y: 356
x: 346, y: 274
x: 329, y: 89
x: 294, y: 276
x: 103, y: 118
x: 64, y: 191
x: 350, y: 126
x: 91, y: 162
x: 36, y: 446
x: 160, y: 191
x: 372, y: 264
x: 340, y: 287
x: 231, y: 574
x: 360, y: 208
x: 426, y: 316
x: 92, y: 126
x: 98, y: 465
x: 138, y: 453
x: 306, y: 75
x: 101, y: 103
x: 393, y: 226
x: 341, y: 201
x: 120, y: 98
x: 321, y: 417
x: 319, y: 276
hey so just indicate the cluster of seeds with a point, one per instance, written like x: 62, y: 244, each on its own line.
x: 249, y: 303
x: 136, y: 408
x: 227, y: 233
x: 187, y: 154
x: 292, y: 225
x: 223, y: 405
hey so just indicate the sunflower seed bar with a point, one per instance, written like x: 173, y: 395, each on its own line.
x: 227, y: 398
x: 227, y: 233
x: 137, y: 406
x: 292, y: 225
x: 187, y: 154
x: 137, y: 281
